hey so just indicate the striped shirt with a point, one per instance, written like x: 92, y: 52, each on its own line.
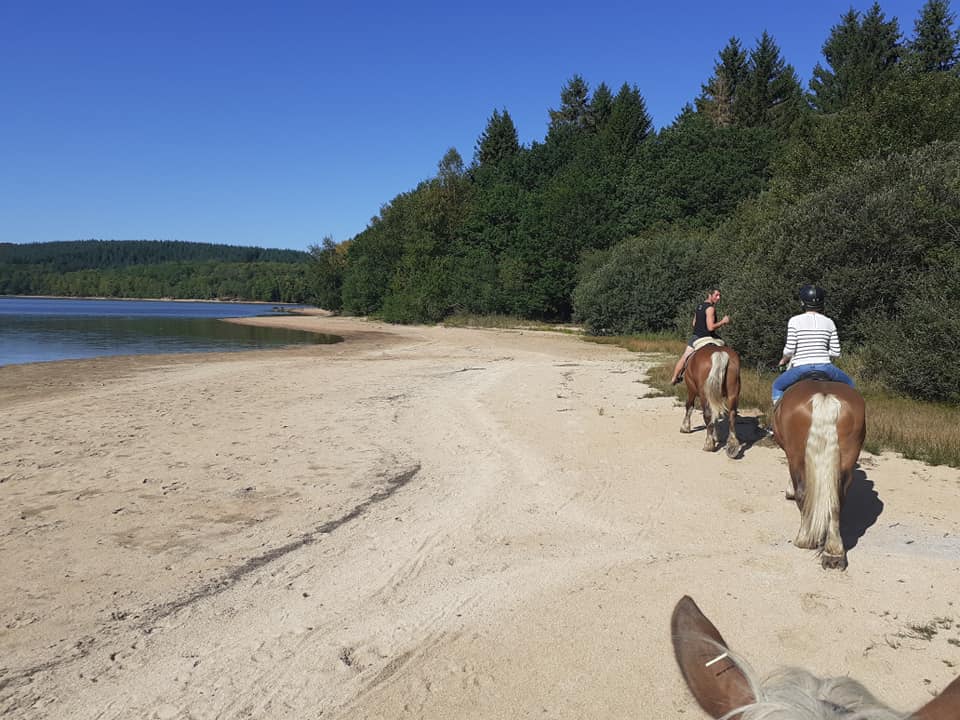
x: 811, y: 339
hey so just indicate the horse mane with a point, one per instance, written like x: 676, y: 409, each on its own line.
x: 795, y: 694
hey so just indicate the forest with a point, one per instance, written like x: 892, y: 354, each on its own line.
x: 156, y: 269
x: 758, y: 186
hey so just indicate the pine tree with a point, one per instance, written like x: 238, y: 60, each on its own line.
x: 718, y: 95
x: 934, y: 46
x: 574, y: 109
x: 770, y: 95
x: 601, y: 106
x: 498, y: 141
x: 859, y: 54
x: 629, y: 123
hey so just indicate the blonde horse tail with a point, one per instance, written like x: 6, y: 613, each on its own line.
x: 821, y: 499
x: 713, y: 388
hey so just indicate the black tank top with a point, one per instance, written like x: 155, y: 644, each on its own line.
x: 700, y: 321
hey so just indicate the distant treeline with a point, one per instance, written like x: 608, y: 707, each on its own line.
x: 156, y: 268
x: 758, y: 186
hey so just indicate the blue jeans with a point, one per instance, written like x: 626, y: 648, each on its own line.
x: 796, y: 374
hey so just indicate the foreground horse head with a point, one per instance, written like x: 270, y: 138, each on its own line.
x: 821, y: 426
x: 713, y: 375
x: 725, y: 687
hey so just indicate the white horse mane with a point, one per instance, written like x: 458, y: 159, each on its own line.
x: 795, y: 694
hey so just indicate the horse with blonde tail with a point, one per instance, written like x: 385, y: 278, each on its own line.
x: 821, y: 427
x: 713, y: 376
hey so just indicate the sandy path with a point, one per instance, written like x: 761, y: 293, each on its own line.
x: 425, y: 523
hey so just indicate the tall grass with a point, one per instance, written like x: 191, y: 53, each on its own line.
x: 924, y: 431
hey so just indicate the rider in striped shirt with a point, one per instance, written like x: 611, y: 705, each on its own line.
x: 812, y: 343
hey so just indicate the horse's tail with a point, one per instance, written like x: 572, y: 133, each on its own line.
x: 713, y: 388
x: 821, y: 498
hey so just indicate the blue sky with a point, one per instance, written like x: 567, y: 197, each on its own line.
x: 276, y: 124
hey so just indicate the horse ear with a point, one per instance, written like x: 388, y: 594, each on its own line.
x: 715, y: 680
x: 945, y: 706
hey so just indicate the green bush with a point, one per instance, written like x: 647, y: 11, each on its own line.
x: 640, y: 286
x: 916, y: 350
x: 868, y: 238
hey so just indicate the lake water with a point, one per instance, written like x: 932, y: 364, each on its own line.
x: 42, y: 329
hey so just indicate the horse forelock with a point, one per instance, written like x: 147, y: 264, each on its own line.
x: 795, y: 694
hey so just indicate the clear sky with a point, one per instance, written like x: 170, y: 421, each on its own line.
x: 276, y: 124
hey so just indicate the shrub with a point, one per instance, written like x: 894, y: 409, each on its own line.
x: 640, y: 286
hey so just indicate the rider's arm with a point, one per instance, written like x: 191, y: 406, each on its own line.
x: 791, y: 345
x: 834, y: 349
x: 712, y: 322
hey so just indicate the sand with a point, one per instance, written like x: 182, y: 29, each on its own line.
x: 427, y: 522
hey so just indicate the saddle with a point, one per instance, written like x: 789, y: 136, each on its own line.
x: 812, y: 375
x: 701, y: 342
x: 697, y: 344
x: 817, y: 375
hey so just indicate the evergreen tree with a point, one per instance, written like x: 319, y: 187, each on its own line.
x: 718, y: 95
x: 934, y: 46
x: 629, y: 124
x: 601, y: 106
x: 859, y: 54
x: 499, y: 140
x: 770, y: 95
x: 574, y: 109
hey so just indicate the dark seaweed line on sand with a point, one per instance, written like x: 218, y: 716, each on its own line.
x: 151, y: 616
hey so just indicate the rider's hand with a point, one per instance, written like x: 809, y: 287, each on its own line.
x: 782, y: 368
x: 726, y: 320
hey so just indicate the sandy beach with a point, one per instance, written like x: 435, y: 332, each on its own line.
x: 427, y: 522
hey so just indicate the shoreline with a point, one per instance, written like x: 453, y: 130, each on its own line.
x: 163, y: 299
x: 259, y: 320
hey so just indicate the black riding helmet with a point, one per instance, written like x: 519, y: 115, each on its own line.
x: 812, y: 297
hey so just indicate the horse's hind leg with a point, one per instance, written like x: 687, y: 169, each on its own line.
x: 734, y: 446
x: 685, y: 425
x: 710, y: 444
x: 834, y: 555
x: 733, y: 442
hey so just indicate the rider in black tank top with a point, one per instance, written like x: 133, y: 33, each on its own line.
x: 705, y: 324
x: 700, y: 329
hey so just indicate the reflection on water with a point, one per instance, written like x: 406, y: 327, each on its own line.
x: 30, y: 335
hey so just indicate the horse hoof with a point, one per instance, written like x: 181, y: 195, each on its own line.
x: 833, y: 562
x: 734, y: 452
x: 789, y: 494
x: 685, y: 430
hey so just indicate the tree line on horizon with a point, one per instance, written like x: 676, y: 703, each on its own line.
x: 156, y: 269
x: 757, y: 186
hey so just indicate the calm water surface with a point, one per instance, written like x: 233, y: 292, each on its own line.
x: 41, y: 329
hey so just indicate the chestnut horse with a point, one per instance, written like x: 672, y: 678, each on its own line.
x: 713, y: 375
x: 724, y: 686
x: 821, y: 426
